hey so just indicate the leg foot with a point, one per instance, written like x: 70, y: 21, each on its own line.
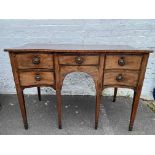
x: 96, y: 126
x: 130, y: 128
x: 60, y: 126
x: 114, y: 99
x: 26, y: 126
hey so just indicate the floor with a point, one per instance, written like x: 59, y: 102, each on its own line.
x: 78, y: 116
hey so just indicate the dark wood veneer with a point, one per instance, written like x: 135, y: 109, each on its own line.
x: 48, y: 64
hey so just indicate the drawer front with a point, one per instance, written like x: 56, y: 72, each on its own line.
x: 30, y: 60
x: 78, y: 60
x: 121, y: 78
x: 36, y: 78
x: 92, y: 70
x: 123, y: 62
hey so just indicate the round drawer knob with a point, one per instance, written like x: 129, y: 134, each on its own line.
x: 36, y: 60
x: 121, y: 61
x: 79, y: 60
x: 37, y: 77
x: 119, y: 78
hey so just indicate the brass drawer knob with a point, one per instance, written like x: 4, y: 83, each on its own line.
x: 36, y: 60
x: 37, y: 77
x: 79, y: 60
x: 121, y: 61
x: 120, y: 78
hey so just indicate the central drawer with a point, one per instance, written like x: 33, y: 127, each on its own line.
x: 123, y: 62
x: 32, y: 60
x: 78, y: 60
x: 36, y: 78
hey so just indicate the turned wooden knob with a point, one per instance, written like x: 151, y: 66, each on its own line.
x: 79, y: 60
x: 36, y: 60
x: 37, y: 77
x: 119, y: 78
x: 121, y: 61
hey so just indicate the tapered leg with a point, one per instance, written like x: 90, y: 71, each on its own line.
x: 115, y: 94
x: 98, y: 100
x: 135, y: 103
x: 59, y: 108
x: 58, y: 87
x: 39, y: 93
x: 22, y: 107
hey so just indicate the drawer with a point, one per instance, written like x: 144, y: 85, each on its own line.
x: 36, y: 78
x: 78, y: 60
x: 32, y: 60
x: 121, y: 78
x: 123, y: 62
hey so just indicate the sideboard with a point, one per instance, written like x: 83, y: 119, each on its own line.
x: 37, y: 65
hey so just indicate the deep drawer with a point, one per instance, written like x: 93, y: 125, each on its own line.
x: 121, y: 78
x: 36, y: 78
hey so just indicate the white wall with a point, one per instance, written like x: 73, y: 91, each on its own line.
x: 137, y: 33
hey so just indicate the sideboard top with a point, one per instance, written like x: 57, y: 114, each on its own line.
x: 75, y: 48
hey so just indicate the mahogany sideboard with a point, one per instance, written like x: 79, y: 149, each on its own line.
x: 36, y: 65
